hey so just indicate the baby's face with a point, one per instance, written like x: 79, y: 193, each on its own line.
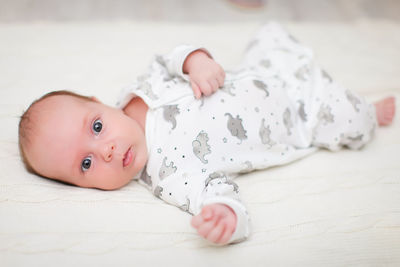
x: 87, y: 143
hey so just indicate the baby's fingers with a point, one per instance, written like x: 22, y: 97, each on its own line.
x: 221, y: 78
x: 205, y: 229
x: 206, y: 88
x: 226, y: 235
x: 196, y: 89
x: 214, y: 85
x: 216, y: 233
x: 206, y: 214
x: 197, y: 221
x: 220, y: 81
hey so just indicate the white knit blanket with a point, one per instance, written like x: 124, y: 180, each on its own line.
x: 329, y: 209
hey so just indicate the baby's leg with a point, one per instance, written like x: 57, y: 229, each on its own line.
x: 343, y: 118
x: 385, y: 110
x: 273, y: 49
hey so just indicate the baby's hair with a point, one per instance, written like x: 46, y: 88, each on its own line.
x: 28, y: 123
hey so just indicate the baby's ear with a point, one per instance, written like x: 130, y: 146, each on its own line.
x: 95, y: 99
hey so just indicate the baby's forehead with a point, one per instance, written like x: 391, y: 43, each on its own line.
x: 63, y: 103
x: 63, y: 100
x: 57, y: 107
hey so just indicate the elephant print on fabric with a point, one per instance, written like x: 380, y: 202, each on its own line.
x: 266, y: 63
x: 161, y: 61
x: 166, y: 170
x: 265, y: 134
x: 235, y: 126
x: 325, y: 115
x: 163, y: 72
x: 357, y: 138
x: 252, y: 44
x: 291, y: 37
x: 212, y: 176
x: 326, y: 76
x: 227, y: 88
x: 185, y: 207
x: 262, y: 86
x: 301, y: 112
x: 146, y: 87
x: 287, y: 121
x: 200, y: 146
x: 146, y: 178
x: 220, y: 178
x: 353, y: 100
x: 170, y: 113
x: 158, y: 191
x: 303, y: 73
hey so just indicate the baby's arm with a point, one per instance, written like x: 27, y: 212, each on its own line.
x: 206, y: 75
x: 218, y: 213
x: 190, y: 63
x: 216, y: 223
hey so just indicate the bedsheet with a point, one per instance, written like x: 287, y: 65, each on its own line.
x: 329, y: 209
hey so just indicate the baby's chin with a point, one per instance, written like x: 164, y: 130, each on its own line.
x: 113, y: 186
x: 107, y: 187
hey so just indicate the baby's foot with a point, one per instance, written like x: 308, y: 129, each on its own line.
x: 385, y: 110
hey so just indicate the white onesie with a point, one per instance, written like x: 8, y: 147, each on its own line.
x: 276, y: 107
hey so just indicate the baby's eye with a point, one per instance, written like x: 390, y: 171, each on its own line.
x: 85, y: 165
x: 97, y: 126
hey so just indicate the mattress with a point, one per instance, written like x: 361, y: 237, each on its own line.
x: 328, y: 209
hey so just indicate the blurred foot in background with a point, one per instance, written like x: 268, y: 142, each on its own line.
x: 248, y: 3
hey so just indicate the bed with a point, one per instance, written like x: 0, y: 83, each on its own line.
x: 328, y: 209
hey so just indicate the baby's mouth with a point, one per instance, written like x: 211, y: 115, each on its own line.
x: 128, y: 157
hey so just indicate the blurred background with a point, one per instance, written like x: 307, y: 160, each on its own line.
x: 207, y: 11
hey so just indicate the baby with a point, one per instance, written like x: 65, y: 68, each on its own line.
x: 186, y: 128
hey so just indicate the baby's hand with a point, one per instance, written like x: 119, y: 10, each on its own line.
x: 216, y: 223
x: 206, y: 75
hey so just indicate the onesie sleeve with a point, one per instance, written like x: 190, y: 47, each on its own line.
x: 192, y: 193
x: 160, y: 84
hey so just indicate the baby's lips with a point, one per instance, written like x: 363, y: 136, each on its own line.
x: 128, y: 156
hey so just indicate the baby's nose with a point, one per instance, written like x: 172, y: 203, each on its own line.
x: 108, y: 151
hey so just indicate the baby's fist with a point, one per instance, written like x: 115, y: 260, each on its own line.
x: 206, y: 75
x: 216, y: 223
